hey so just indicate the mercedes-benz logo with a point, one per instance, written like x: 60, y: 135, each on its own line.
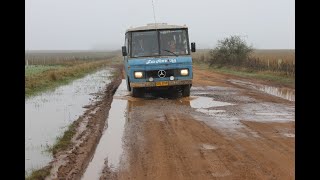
x: 162, y: 73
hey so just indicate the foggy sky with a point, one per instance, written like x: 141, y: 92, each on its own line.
x: 101, y: 24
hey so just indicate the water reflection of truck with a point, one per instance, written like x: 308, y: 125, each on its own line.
x: 158, y: 57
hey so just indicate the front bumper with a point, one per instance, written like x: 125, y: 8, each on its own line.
x: 153, y: 84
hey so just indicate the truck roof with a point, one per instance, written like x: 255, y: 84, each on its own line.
x: 152, y: 26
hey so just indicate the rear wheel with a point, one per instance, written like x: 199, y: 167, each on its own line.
x: 186, y: 91
x: 137, y: 92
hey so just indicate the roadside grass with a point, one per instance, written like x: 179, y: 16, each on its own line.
x: 277, y: 78
x: 63, y: 141
x: 36, y: 69
x: 54, y: 57
x: 41, y: 79
x: 279, y: 62
x: 39, y: 174
x: 273, y: 55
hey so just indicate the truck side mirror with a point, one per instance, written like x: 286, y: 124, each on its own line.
x: 124, y: 51
x: 193, y: 47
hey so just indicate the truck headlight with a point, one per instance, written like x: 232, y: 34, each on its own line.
x: 138, y: 74
x: 184, y: 72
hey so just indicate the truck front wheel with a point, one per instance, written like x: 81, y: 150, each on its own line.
x: 186, y: 91
x: 137, y: 92
x: 128, y: 84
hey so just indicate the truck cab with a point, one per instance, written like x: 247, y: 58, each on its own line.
x: 158, y: 57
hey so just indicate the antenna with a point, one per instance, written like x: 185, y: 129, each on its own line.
x: 154, y: 15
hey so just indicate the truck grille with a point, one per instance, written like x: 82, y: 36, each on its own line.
x: 169, y: 72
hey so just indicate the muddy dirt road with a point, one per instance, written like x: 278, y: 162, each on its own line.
x: 226, y: 129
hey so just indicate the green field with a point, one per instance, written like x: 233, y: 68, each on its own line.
x: 49, y: 69
x: 36, y: 69
x: 279, y: 79
x: 51, y: 57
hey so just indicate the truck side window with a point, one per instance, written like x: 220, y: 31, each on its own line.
x: 126, y: 42
x: 129, y: 44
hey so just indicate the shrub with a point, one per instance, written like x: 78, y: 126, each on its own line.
x: 230, y: 51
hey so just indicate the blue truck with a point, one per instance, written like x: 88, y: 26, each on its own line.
x: 157, y: 57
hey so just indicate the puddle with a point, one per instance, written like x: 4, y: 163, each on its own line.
x: 272, y: 114
x: 223, y: 109
x: 284, y: 93
x: 109, y: 148
x: 218, y: 174
x: 218, y: 118
x: 206, y: 102
x: 254, y: 134
x: 211, y: 112
x: 217, y: 89
x: 267, y: 112
x: 48, y: 115
x: 289, y: 135
x: 208, y: 147
x: 197, y: 88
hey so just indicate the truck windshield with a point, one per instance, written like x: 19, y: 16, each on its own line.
x: 145, y: 44
x: 172, y: 43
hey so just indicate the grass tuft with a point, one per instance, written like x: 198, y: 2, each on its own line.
x: 64, y: 141
x: 39, y: 174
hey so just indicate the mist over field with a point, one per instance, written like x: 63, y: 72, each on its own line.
x: 100, y: 25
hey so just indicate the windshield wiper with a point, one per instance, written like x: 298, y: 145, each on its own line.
x: 169, y: 52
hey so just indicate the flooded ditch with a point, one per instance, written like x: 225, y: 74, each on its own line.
x: 48, y: 114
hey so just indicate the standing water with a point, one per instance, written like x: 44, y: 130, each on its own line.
x: 49, y: 114
x: 284, y: 93
x: 109, y: 148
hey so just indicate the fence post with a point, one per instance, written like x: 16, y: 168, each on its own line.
x: 279, y: 63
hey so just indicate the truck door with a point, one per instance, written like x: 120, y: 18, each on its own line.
x: 125, y: 58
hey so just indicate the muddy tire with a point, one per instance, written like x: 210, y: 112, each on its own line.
x: 186, y: 91
x: 128, y: 84
x: 137, y: 92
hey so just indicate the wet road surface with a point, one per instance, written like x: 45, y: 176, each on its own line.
x: 226, y: 129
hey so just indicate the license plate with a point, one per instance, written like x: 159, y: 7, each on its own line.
x: 162, y: 83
